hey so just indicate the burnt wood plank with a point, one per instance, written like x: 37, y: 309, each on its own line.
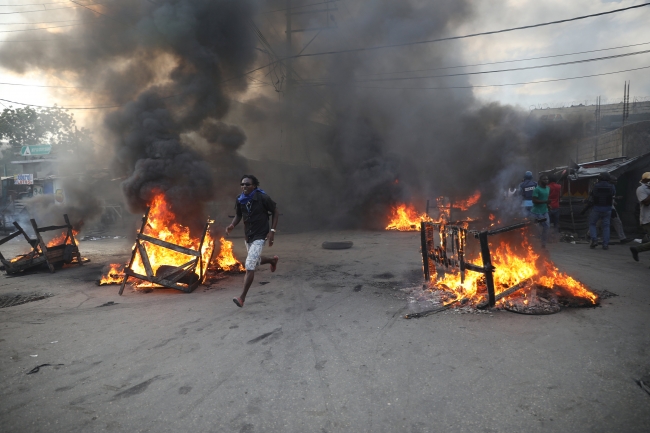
x: 48, y: 228
x: 145, y: 259
x: 168, y: 245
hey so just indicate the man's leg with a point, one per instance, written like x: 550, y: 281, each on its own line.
x: 606, y: 216
x: 646, y: 246
x: 273, y: 261
x: 593, y: 234
x: 252, y: 261
x: 545, y: 226
x: 618, y: 226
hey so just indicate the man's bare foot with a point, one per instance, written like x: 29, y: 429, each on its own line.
x: 274, y: 263
x: 238, y: 302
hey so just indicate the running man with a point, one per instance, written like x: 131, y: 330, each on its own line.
x: 255, y: 206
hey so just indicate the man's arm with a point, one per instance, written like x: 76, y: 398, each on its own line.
x: 235, y: 220
x: 274, y: 224
x: 536, y: 199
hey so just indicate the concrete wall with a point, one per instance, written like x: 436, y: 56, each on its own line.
x: 631, y: 140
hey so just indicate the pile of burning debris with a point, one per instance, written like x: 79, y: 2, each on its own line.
x: 508, y: 274
x: 56, y: 253
x: 165, y: 254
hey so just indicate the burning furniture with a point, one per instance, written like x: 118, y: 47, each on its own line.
x: 163, y: 263
x: 512, y: 271
x: 60, y: 250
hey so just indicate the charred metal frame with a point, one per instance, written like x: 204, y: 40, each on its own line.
x: 437, y: 255
x: 169, y: 278
x: 41, y: 253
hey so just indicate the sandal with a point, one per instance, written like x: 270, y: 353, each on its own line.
x: 238, y: 302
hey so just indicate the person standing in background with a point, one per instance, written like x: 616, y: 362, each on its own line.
x: 616, y: 220
x: 540, y: 206
x: 526, y: 189
x: 643, y: 195
x: 555, y: 191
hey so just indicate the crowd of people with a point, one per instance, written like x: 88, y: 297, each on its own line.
x: 541, y: 201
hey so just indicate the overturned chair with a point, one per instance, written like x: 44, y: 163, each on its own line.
x: 61, y: 250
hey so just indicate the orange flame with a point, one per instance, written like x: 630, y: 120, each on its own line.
x: 115, y: 275
x: 468, y: 202
x: 58, y: 240
x: 161, y: 224
x: 405, y: 218
x: 513, y: 267
x: 226, y: 259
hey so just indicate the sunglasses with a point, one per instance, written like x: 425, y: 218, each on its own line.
x: 246, y: 184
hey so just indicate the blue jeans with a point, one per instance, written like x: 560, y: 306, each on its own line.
x: 604, y: 214
x: 554, y: 218
x: 545, y: 225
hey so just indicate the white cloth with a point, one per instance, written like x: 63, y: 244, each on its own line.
x: 254, y: 257
x: 643, y: 192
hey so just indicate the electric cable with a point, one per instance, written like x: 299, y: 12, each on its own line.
x: 459, y: 74
x: 505, y: 84
x: 505, y: 61
x: 473, y: 35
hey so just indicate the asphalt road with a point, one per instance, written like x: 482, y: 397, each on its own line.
x: 321, y: 346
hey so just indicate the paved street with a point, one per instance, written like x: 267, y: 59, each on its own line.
x: 321, y: 346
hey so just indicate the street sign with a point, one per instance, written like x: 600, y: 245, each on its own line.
x: 36, y: 150
x: 24, y: 179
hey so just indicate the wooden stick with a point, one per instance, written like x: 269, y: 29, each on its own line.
x: 169, y: 246
x: 41, y: 242
x: 126, y: 275
x: 505, y: 293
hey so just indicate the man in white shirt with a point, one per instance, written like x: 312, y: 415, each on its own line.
x: 643, y: 195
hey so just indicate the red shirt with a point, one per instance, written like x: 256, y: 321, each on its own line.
x: 554, y: 195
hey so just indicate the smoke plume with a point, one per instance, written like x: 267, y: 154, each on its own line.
x: 338, y: 147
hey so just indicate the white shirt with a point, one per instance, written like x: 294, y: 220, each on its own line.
x: 643, y: 192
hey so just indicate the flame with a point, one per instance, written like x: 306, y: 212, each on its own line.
x: 405, y: 218
x: 513, y: 266
x: 115, y: 275
x: 58, y: 240
x: 468, y: 202
x: 226, y: 259
x: 161, y: 224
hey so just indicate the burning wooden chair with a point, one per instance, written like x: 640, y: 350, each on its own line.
x: 52, y: 255
x: 184, y: 277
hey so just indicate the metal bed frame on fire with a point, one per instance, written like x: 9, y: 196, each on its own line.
x: 433, y: 255
x: 169, y: 278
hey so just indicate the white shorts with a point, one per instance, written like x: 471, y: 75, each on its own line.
x: 254, y: 257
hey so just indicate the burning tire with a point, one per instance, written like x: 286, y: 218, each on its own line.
x: 341, y: 245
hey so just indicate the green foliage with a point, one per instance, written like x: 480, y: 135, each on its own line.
x: 55, y: 126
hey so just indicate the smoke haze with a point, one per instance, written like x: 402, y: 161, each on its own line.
x: 349, y: 147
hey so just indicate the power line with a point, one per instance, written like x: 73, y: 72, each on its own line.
x: 62, y: 108
x: 296, y: 7
x: 523, y: 68
x: 41, y: 28
x: 506, y: 84
x: 41, y: 85
x: 35, y: 4
x: 43, y: 22
x: 473, y: 35
x: 377, y: 87
x: 506, y: 61
x: 52, y: 9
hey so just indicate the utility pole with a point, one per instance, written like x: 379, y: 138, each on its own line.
x: 289, y: 90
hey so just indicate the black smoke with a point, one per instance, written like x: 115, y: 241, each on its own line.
x: 349, y: 146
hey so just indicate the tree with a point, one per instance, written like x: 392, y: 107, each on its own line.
x: 26, y: 126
